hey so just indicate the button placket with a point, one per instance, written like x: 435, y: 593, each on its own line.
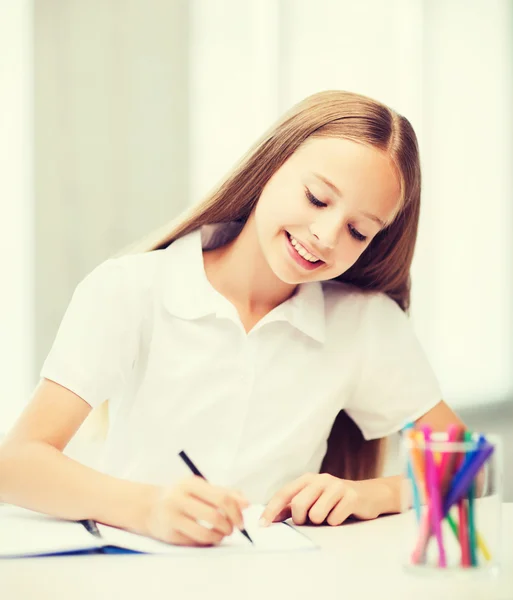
x: 246, y: 378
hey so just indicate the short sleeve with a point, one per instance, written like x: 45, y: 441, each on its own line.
x: 96, y: 342
x: 397, y: 384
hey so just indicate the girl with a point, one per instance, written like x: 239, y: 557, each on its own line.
x: 268, y: 316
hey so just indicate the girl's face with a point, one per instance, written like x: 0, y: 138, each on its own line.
x: 323, y: 206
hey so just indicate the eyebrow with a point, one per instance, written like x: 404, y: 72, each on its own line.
x: 335, y: 189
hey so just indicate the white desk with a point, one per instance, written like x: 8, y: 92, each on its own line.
x: 357, y: 561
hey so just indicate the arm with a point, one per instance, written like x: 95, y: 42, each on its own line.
x: 36, y: 475
x: 438, y: 418
x: 322, y: 497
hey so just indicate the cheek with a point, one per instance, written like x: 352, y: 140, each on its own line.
x: 267, y: 225
x: 273, y: 214
x: 282, y: 202
x: 348, y: 252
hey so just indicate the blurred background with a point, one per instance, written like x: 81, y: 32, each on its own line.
x: 115, y: 115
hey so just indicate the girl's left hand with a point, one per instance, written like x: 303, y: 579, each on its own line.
x: 323, y: 497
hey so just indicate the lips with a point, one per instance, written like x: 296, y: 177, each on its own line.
x: 302, y: 262
x: 302, y: 250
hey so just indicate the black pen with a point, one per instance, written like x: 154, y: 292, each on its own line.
x: 195, y: 470
x: 90, y: 525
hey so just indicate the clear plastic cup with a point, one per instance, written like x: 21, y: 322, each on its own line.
x: 453, y: 493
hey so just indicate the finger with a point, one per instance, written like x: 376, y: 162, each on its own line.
x: 331, y: 496
x: 219, y: 498
x: 282, y: 499
x: 196, y: 532
x: 179, y: 539
x: 343, y: 509
x: 233, y: 511
x: 283, y: 515
x: 198, y: 510
x: 302, y: 503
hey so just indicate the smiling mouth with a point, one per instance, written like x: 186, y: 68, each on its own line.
x: 302, y: 252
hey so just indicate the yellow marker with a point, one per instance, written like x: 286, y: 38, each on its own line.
x: 482, y: 546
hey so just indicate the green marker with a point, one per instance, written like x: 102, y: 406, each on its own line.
x: 471, y: 513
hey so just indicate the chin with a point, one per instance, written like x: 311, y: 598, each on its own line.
x: 286, y: 276
x: 291, y: 281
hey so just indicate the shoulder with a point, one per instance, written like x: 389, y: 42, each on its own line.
x: 136, y: 269
x: 133, y: 281
x: 344, y: 298
x: 367, y: 312
x: 126, y: 280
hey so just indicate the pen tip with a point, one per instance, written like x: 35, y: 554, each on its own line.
x: 246, y: 534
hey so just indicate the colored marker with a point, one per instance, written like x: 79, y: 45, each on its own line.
x: 435, y: 499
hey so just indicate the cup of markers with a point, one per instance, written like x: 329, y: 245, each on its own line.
x: 453, y: 490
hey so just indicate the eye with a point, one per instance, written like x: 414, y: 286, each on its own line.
x: 313, y: 199
x: 356, y: 234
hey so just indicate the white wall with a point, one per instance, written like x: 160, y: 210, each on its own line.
x: 446, y: 65
x: 16, y: 204
x: 111, y: 139
x: 468, y: 216
x: 109, y: 88
x: 234, y: 83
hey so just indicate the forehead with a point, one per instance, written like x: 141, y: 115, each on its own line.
x: 365, y: 176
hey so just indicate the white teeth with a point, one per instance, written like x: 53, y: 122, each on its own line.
x: 302, y: 251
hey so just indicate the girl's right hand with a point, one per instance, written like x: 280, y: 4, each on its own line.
x: 194, y: 513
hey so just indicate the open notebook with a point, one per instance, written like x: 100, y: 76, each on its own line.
x: 25, y: 533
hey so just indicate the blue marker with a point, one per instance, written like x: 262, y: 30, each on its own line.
x: 411, y: 477
x: 465, y: 476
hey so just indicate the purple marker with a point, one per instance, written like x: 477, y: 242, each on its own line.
x: 464, y: 478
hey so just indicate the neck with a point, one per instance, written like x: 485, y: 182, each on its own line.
x: 240, y: 272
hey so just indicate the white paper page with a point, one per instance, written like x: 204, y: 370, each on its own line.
x: 278, y: 537
x: 27, y: 533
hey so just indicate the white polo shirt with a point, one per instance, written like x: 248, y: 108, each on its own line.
x: 253, y: 411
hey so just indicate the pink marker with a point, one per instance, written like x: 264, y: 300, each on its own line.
x: 452, y: 434
x: 435, y: 503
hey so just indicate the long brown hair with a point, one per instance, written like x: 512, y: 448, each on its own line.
x: 385, y: 264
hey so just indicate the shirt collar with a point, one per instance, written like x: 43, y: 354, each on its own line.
x: 308, y: 310
x: 187, y: 292
x: 189, y: 295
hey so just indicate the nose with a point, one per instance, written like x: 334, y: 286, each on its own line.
x: 326, y: 232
